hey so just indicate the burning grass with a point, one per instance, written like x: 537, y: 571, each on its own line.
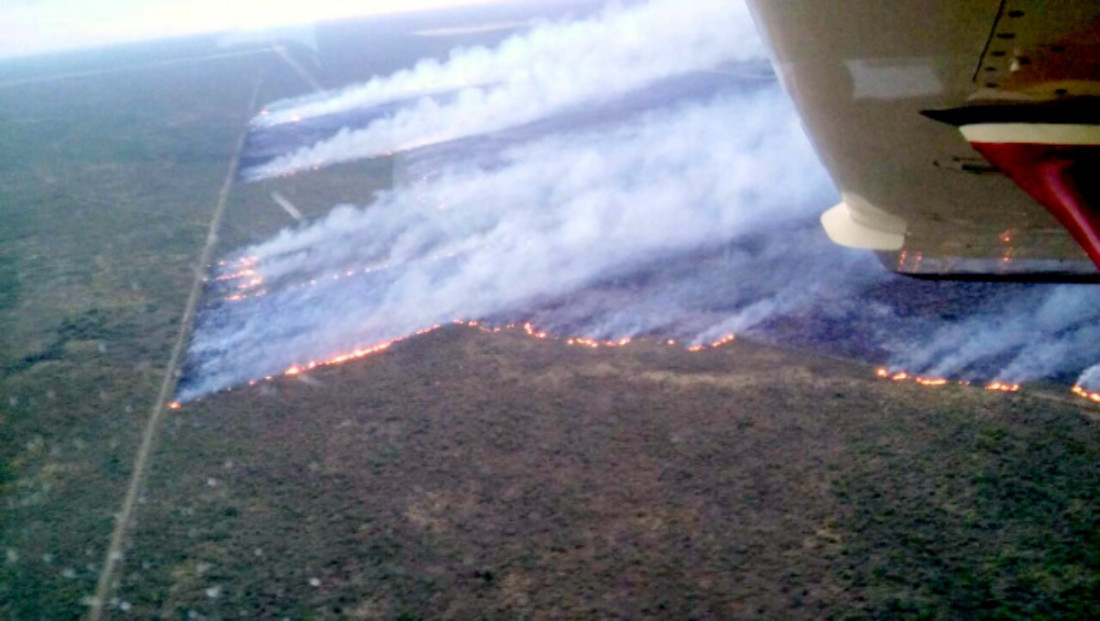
x: 527, y: 329
x: 936, y: 382
x: 1086, y: 394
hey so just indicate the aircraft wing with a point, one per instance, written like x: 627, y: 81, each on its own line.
x: 964, y: 135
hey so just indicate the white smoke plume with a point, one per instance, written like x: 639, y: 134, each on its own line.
x: 1090, y: 379
x: 550, y: 218
x: 1027, y: 333
x: 691, y: 220
x: 554, y: 67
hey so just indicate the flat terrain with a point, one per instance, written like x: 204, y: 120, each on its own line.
x: 471, y: 475
x: 462, y: 474
x: 107, y: 184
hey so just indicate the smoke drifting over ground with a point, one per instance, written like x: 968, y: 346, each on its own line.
x: 553, y: 68
x: 1016, y: 333
x: 537, y: 222
x: 605, y: 183
x: 1090, y: 379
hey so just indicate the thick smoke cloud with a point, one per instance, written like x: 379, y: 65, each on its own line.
x: 547, y: 219
x: 1020, y: 334
x: 687, y: 217
x: 549, y: 70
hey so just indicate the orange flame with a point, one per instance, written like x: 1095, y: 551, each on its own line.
x: 1003, y: 387
x: 902, y: 376
x: 252, y: 280
x: 725, y: 340
x: 528, y: 329
x: 1082, y: 392
x: 920, y: 380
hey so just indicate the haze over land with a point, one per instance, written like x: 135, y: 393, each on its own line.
x: 466, y: 473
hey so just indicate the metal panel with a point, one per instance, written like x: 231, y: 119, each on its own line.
x: 861, y: 71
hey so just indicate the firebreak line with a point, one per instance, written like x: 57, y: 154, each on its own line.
x: 112, y: 562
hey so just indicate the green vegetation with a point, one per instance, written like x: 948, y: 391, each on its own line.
x: 9, y: 283
x: 465, y: 475
x: 106, y: 187
x: 983, y: 517
x: 472, y: 475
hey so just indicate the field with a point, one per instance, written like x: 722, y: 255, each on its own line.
x: 463, y: 474
x: 469, y: 475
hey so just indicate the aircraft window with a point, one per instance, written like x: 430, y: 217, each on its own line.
x: 504, y: 310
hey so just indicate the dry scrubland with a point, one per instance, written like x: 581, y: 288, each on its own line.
x: 462, y: 474
x: 469, y: 475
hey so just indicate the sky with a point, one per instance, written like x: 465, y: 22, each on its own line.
x: 30, y: 27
